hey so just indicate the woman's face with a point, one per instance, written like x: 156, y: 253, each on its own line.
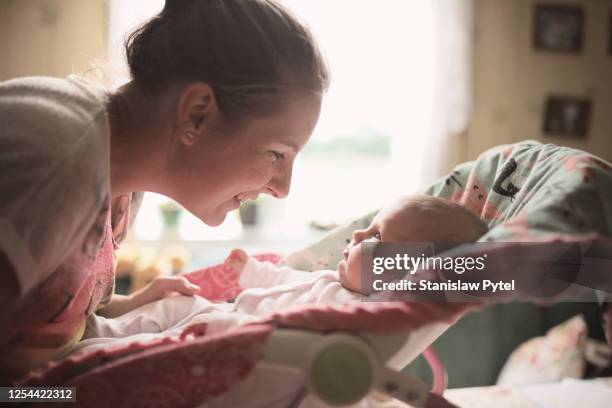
x: 220, y: 170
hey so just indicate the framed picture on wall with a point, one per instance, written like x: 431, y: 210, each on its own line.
x: 558, y: 28
x: 567, y: 116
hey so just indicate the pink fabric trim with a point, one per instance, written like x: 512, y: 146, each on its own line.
x: 162, y: 373
x: 440, y: 377
x: 371, y: 317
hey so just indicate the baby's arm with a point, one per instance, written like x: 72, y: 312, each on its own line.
x: 256, y: 274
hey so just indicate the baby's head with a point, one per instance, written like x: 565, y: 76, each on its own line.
x: 416, y: 218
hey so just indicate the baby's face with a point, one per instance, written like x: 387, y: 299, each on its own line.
x: 388, y: 225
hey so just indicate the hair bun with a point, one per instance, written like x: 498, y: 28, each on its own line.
x: 265, y: 60
x: 173, y: 6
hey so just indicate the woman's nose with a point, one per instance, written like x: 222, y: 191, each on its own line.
x: 280, y: 185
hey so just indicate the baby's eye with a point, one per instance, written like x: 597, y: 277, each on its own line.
x: 372, y: 238
x: 277, y: 155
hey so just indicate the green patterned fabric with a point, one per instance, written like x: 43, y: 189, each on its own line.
x: 532, y: 191
x: 526, y: 191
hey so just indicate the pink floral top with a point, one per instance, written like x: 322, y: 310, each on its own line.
x: 54, y: 313
x: 58, y: 226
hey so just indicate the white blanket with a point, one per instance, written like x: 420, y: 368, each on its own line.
x: 268, y: 288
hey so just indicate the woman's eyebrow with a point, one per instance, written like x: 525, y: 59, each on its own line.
x: 292, y: 146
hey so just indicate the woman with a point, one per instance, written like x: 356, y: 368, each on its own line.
x: 224, y: 95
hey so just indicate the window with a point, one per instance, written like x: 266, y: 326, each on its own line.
x: 381, y: 63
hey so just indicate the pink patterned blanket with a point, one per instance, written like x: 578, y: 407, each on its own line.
x: 185, y: 372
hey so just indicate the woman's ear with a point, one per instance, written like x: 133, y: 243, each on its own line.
x: 197, y: 105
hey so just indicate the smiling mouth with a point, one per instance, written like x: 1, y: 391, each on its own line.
x: 243, y: 197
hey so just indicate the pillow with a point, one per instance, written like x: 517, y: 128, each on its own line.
x: 553, y: 357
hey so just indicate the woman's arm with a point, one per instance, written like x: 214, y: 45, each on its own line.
x: 161, y: 287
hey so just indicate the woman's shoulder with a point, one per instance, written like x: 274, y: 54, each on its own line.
x: 52, y: 117
x: 50, y: 99
x: 53, y: 132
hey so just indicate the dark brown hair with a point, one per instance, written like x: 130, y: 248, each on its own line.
x: 253, y: 53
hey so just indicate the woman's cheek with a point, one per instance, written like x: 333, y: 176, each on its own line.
x: 259, y: 174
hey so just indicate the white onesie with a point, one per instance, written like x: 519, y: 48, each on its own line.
x: 267, y: 288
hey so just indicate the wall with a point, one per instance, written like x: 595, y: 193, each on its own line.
x: 51, y: 37
x: 3, y: 37
x: 511, y: 82
x: 512, y: 79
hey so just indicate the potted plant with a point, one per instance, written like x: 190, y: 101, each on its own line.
x: 170, y: 212
x: 248, y: 213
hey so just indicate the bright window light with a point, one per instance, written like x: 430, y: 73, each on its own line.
x: 366, y: 147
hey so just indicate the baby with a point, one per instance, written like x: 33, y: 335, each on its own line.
x: 268, y: 288
x: 415, y: 218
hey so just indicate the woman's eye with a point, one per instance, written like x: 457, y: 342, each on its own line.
x: 377, y: 236
x: 277, y: 155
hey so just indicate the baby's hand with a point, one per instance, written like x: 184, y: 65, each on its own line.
x: 164, y: 286
x: 237, y: 259
x: 159, y: 288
